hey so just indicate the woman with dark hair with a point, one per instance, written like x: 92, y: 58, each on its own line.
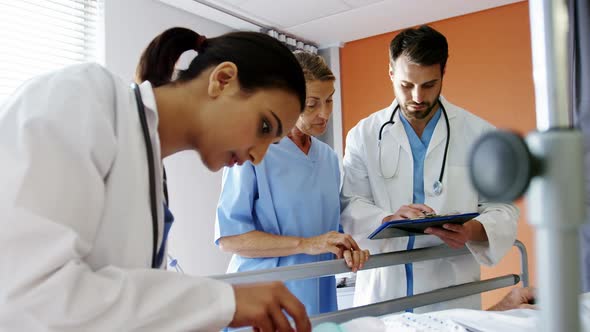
x: 82, y: 200
x: 286, y: 210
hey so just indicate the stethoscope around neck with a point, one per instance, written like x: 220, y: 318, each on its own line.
x: 151, y: 171
x: 437, y: 187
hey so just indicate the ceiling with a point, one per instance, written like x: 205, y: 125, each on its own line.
x: 332, y: 22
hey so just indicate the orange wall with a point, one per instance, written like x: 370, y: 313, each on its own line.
x: 489, y: 73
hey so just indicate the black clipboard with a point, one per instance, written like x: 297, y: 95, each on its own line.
x: 405, y: 227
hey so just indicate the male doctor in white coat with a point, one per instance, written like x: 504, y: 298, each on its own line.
x: 420, y: 167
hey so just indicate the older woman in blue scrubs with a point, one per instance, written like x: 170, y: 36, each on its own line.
x: 286, y: 210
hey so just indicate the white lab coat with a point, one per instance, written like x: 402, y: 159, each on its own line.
x: 367, y: 198
x: 75, y: 220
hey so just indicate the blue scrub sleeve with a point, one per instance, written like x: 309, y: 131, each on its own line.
x: 234, y: 210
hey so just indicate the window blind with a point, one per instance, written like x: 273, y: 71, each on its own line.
x: 37, y: 36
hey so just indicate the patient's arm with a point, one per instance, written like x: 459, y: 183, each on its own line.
x: 518, y: 298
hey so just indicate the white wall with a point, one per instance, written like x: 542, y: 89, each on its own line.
x: 129, y: 26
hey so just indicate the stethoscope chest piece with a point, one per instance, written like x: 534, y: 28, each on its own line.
x: 437, y: 188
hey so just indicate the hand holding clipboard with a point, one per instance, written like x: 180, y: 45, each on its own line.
x: 416, y: 219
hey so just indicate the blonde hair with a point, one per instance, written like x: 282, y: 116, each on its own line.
x: 314, y: 67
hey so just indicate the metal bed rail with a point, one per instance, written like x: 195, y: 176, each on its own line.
x: 524, y: 263
x: 414, y: 301
x: 336, y: 266
x: 326, y: 268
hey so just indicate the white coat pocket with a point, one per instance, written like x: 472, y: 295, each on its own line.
x: 461, y: 197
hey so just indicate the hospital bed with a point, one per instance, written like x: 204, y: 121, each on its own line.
x: 326, y: 268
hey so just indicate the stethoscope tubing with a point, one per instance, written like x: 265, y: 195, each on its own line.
x: 151, y: 170
x: 391, y: 122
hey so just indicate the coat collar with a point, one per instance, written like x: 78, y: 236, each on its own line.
x: 440, y: 131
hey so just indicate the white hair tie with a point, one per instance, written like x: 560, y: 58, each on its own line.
x: 185, y: 59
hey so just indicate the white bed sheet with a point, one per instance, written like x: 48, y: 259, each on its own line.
x: 460, y: 320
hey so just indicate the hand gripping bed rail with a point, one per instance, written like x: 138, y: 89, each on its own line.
x: 326, y: 268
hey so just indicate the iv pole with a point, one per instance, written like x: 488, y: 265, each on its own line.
x: 556, y: 198
x: 549, y: 162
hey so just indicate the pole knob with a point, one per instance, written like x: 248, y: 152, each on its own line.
x: 501, y: 166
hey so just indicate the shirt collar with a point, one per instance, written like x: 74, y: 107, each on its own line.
x: 147, y: 95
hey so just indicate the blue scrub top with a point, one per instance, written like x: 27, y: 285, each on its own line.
x: 419, y: 147
x: 291, y: 194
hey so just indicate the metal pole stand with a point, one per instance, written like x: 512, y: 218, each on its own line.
x: 556, y: 209
x: 502, y: 165
x: 549, y: 167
